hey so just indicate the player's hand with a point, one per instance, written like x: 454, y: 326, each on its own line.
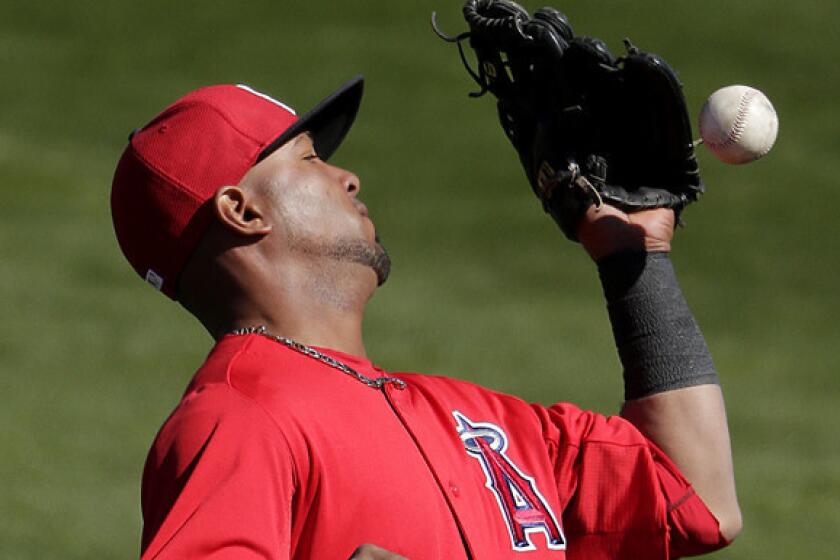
x: 373, y: 552
x: 607, y: 230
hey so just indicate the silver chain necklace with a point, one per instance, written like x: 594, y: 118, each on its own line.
x: 330, y: 361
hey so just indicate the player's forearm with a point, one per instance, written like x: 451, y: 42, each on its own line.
x: 670, y: 380
x: 659, y: 342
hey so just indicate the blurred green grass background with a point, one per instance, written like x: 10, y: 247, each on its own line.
x: 484, y: 287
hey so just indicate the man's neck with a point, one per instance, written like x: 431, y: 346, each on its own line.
x: 309, y: 308
x: 341, y: 333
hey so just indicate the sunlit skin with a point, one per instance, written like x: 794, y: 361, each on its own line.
x: 312, y: 200
x: 293, y: 248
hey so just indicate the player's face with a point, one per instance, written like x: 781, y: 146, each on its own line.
x: 314, y: 206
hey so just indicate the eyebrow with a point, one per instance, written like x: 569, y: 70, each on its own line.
x: 300, y: 137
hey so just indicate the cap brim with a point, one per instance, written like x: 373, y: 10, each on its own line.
x: 328, y: 122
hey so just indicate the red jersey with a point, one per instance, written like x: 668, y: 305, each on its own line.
x: 274, y: 454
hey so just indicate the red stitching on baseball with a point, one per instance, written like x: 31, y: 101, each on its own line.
x: 740, y: 123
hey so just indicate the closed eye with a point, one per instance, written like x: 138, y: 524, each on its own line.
x: 310, y: 157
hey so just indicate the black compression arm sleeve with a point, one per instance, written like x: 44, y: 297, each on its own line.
x: 659, y: 342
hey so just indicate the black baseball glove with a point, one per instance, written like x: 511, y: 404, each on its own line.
x: 589, y: 128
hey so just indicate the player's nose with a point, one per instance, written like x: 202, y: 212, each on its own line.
x: 349, y: 180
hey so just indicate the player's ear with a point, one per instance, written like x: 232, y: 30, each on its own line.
x: 238, y: 211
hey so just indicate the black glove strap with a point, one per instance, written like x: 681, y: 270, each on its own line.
x: 659, y: 342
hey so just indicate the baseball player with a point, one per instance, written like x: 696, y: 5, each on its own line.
x: 289, y: 442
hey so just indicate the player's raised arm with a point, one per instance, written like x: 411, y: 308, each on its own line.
x: 671, y: 385
x: 606, y: 145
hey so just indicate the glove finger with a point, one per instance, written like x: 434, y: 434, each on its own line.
x: 592, y: 51
x: 660, y: 120
x: 496, y: 22
x: 475, y: 11
x: 549, y: 43
x: 557, y: 20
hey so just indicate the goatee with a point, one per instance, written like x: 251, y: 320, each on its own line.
x: 372, y: 255
x: 381, y: 264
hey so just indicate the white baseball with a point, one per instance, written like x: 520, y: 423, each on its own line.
x: 738, y: 124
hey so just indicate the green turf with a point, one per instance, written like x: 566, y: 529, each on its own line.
x: 483, y: 287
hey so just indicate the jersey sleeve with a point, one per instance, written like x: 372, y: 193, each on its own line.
x: 218, y: 482
x: 624, y: 498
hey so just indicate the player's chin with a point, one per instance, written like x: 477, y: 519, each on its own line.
x: 381, y: 263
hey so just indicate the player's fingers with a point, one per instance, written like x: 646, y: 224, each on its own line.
x: 373, y: 552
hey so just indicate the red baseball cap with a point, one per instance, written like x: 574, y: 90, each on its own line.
x: 205, y: 140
